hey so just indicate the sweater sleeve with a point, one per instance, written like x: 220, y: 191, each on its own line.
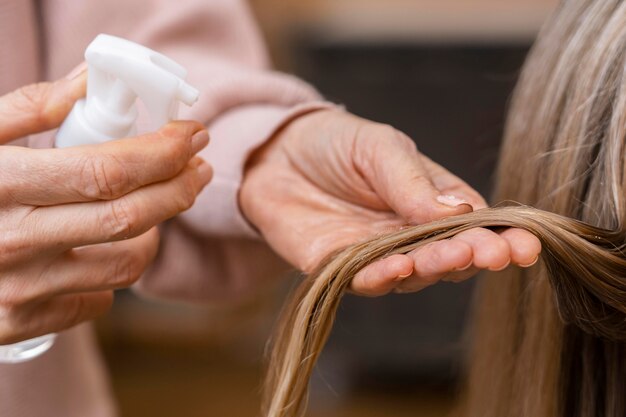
x: 209, y: 252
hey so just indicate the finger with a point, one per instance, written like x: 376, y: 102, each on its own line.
x: 459, y: 276
x: 525, y: 247
x: 106, y: 266
x: 434, y: 261
x: 99, y: 172
x: 60, y: 228
x: 490, y: 250
x: 399, y: 176
x: 524, y: 252
x: 450, y: 184
x: 38, y: 107
x: 101, y: 267
x: 382, y: 276
x: 56, y: 314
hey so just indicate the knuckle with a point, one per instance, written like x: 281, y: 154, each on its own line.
x: 380, y: 136
x: 526, y: 249
x: 435, y: 260
x: 175, y: 149
x: 13, y: 247
x: 120, y: 219
x: 9, y: 332
x: 379, y: 133
x: 178, y: 150
x: 12, y: 294
x: 390, y: 133
x: 172, y: 130
x: 32, y: 100
x: 103, y: 178
x: 493, y: 255
x: 104, y: 305
x: 430, y: 279
x: 6, y: 158
x: 74, y: 313
x: 14, y: 324
x: 128, y: 268
x: 175, y: 136
x: 187, y: 193
x: 405, y: 142
x: 82, y: 308
x: 179, y: 128
x: 500, y: 247
x: 386, y: 131
x: 153, y: 240
x: 176, y: 156
x: 19, y: 287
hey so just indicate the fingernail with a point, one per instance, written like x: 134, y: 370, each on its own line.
x: 506, y: 265
x: 451, y: 201
x: 466, y: 266
x: 205, y: 172
x: 530, y: 264
x: 403, y: 277
x: 199, y: 140
x: 78, y: 70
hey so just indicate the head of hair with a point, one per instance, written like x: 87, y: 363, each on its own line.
x: 549, y: 340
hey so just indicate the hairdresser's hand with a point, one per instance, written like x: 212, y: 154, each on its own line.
x: 330, y: 179
x: 55, y: 200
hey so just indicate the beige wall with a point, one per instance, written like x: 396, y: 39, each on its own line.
x: 407, y: 16
x: 388, y: 20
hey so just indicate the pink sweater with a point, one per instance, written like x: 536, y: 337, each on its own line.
x: 208, y: 253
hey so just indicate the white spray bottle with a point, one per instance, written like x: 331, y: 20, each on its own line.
x: 119, y: 72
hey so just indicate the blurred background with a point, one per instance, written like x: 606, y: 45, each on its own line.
x: 441, y: 71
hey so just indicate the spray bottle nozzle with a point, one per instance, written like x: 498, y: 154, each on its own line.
x: 119, y: 72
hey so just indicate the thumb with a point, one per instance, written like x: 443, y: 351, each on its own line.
x: 400, y: 177
x: 38, y: 107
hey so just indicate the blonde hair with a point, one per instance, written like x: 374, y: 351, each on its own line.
x: 549, y: 340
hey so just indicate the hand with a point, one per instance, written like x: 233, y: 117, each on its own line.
x: 330, y: 179
x: 58, y: 207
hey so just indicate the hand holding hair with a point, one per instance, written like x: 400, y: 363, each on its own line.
x: 586, y: 267
x: 330, y: 179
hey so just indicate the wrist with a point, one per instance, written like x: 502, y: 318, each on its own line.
x: 298, y: 126
x: 293, y: 127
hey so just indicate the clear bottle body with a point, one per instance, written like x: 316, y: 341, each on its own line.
x: 27, y: 349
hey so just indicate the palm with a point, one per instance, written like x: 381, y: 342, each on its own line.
x: 313, y: 222
x: 331, y: 179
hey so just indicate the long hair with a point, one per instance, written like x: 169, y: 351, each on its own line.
x: 563, y: 152
x: 549, y: 340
